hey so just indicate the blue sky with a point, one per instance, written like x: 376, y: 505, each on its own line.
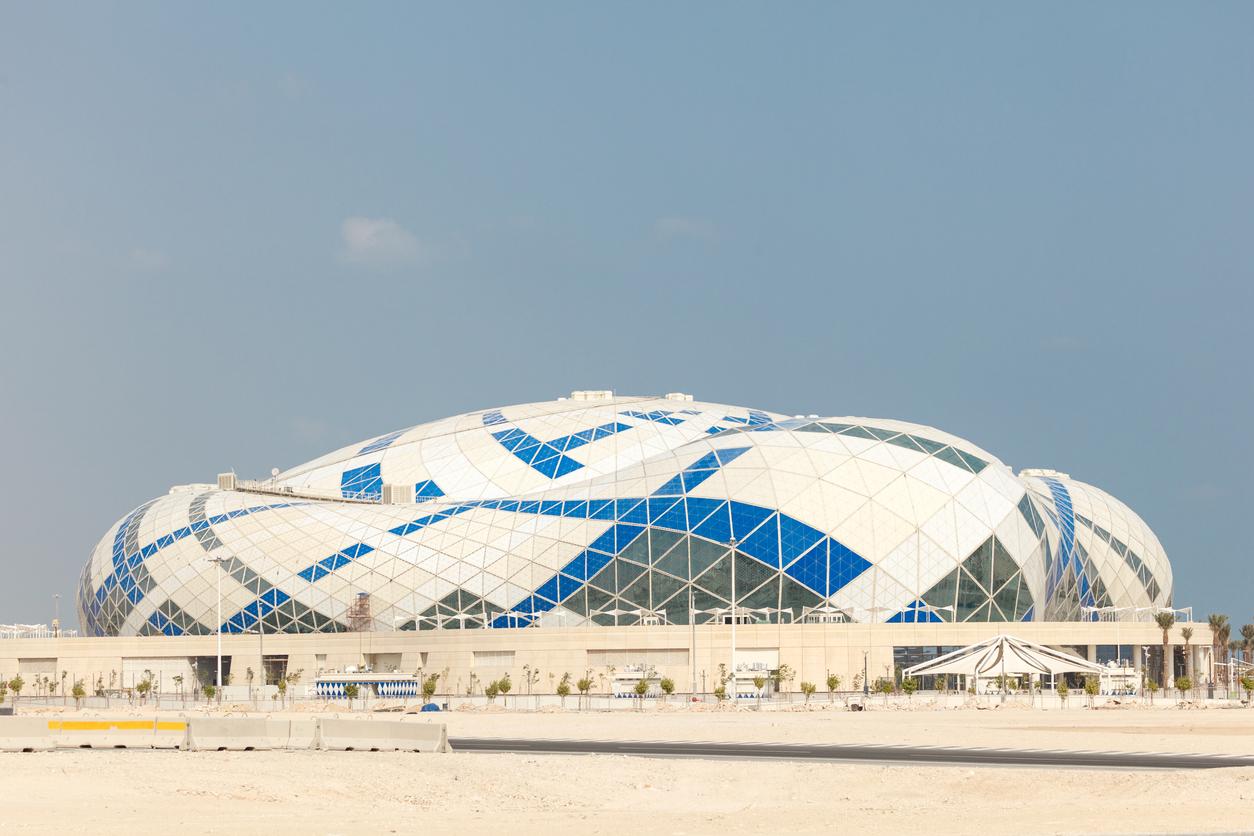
x: 241, y: 235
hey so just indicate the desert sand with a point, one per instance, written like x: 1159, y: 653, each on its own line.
x: 106, y: 792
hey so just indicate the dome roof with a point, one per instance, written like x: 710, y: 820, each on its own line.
x: 562, y: 511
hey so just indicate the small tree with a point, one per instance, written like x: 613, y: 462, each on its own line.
x: 720, y: 692
x: 759, y: 682
x: 78, y: 692
x: 1151, y: 688
x: 783, y: 674
x: 1247, y: 683
x: 4, y: 688
x: 210, y: 691
x: 144, y: 686
x: 1092, y: 687
x: 1183, y: 684
x: 429, y: 684
x: 503, y: 685
x: 641, y: 689
x: 282, y: 686
x: 493, y: 688
x: 940, y: 682
x: 884, y: 686
x: 668, y: 687
x: 15, y: 685
x: 563, y: 688
x: 1063, y: 690
x: 350, y: 691
x: 178, y: 684
x: 833, y: 682
x: 808, y: 688
x: 909, y: 685
x: 584, y: 685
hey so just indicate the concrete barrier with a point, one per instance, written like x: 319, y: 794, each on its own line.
x: 169, y: 734
x: 25, y: 734
x: 237, y: 734
x: 382, y: 736
x: 303, y: 734
x: 117, y: 733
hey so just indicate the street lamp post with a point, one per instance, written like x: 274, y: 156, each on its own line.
x: 731, y: 548
x: 56, y: 615
x: 219, y: 561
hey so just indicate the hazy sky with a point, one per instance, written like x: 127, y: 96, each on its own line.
x: 239, y: 236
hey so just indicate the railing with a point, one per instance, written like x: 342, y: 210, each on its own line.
x: 275, y: 489
x: 6, y: 632
x: 1136, y: 614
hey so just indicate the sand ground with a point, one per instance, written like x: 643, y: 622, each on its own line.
x: 131, y: 792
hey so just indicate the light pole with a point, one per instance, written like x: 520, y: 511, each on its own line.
x: 731, y: 550
x: 219, y: 561
x: 56, y: 614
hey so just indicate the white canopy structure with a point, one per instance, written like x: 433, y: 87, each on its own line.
x: 1004, y: 655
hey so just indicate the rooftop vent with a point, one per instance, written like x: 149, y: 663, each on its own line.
x: 678, y: 396
x: 398, y: 494
x: 1043, y: 471
x: 226, y: 481
x: 591, y: 395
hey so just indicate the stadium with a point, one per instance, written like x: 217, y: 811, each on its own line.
x: 618, y: 511
x: 619, y: 538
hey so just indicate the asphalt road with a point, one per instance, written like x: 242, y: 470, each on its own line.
x: 922, y: 755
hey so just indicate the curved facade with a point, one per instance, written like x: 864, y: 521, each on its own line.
x: 618, y: 510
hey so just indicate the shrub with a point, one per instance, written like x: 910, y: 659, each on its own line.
x: 351, y: 690
x: 667, y: 685
x: 808, y: 688
x: 493, y: 688
x: 210, y: 691
x: 642, y: 688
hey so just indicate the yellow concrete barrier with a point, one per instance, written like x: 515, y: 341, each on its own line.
x: 118, y: 733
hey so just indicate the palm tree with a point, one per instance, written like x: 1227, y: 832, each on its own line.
x: 1165, y: 619
x: 1247, y: 640
x: 1217, y: 622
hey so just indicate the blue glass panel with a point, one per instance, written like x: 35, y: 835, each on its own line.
x: 795, y: 538
x: 810, y: 569
x: 362, y: 482
x: 745, y: 518
x: 843, y: 566
x: 763, y: 544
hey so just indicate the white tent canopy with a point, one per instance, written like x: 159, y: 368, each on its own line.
x: 1004, y: 655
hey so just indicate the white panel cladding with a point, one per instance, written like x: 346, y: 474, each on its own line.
x: 901, y: 497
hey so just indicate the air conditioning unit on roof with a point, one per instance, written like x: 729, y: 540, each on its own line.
x: 398, y: 494
x: 226, y: 481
